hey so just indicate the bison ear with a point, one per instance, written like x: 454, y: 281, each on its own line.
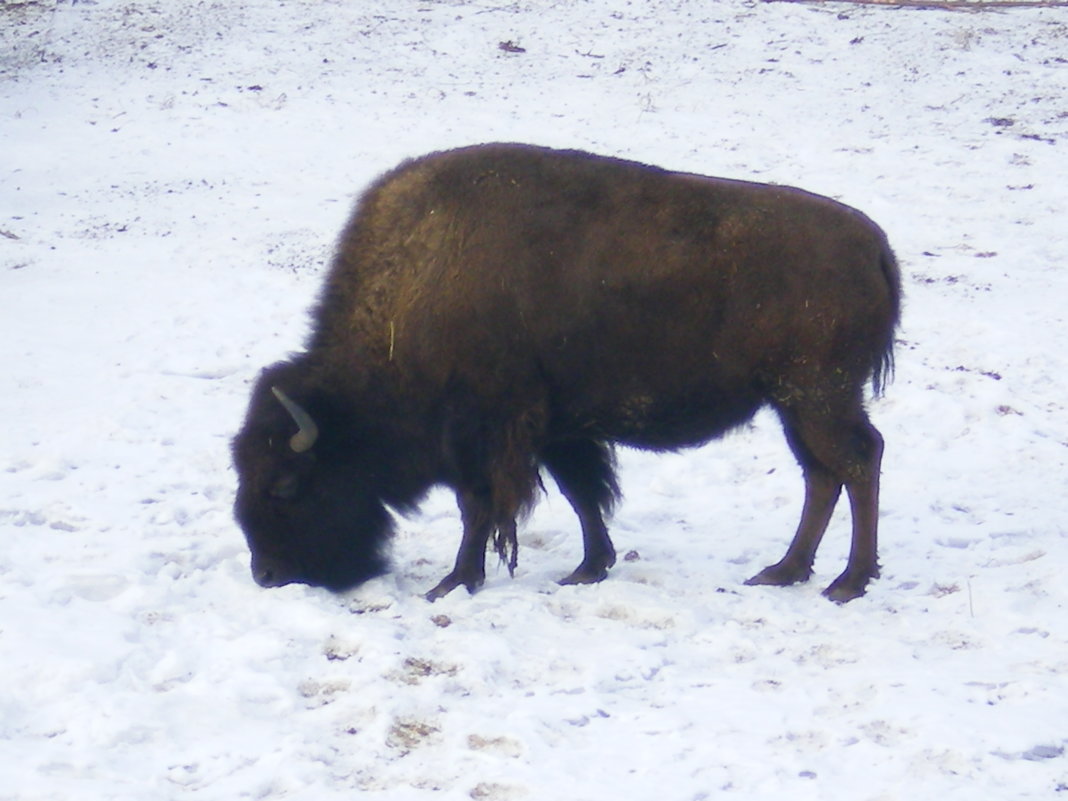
x: 307, y: 430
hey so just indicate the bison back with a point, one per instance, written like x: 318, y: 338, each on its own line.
x: 649, y: 307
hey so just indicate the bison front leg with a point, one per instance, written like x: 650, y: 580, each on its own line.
x: 585, y: 473
x: 470, y: 568
x: 598, y: 552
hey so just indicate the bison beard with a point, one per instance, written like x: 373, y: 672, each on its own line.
x: 500, y: 310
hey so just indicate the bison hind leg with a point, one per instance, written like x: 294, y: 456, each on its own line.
x: 836, y: 447
x: 821, y: 495
x: 584, y: 469
x: 863, y: 562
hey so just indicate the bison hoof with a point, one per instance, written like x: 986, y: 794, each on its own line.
x: 585, y: 574
x: 451, y: 582
x: 847, y: 587
x: 781, y: 575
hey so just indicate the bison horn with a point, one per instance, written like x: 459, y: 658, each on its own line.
x: 305, y: 438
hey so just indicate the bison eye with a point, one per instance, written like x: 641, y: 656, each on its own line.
x: 285, y: 488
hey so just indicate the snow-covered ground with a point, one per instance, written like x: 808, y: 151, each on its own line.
x: 172, y: 176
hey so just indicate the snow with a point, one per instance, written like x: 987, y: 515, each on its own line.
x: 172, y: 176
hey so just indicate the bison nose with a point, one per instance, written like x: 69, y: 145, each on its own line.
x: 272, y: 572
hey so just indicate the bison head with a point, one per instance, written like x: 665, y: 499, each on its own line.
x: 309, y: 513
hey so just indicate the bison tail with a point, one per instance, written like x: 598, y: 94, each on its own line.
x: 883, y: 368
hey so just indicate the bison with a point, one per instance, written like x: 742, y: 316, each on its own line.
x: 500, y: 309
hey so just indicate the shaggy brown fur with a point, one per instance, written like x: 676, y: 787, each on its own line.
x: 499, y: 309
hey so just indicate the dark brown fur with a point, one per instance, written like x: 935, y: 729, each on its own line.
x: 500, y: 309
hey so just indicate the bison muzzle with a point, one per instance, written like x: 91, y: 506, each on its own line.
x: 499, y: 310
